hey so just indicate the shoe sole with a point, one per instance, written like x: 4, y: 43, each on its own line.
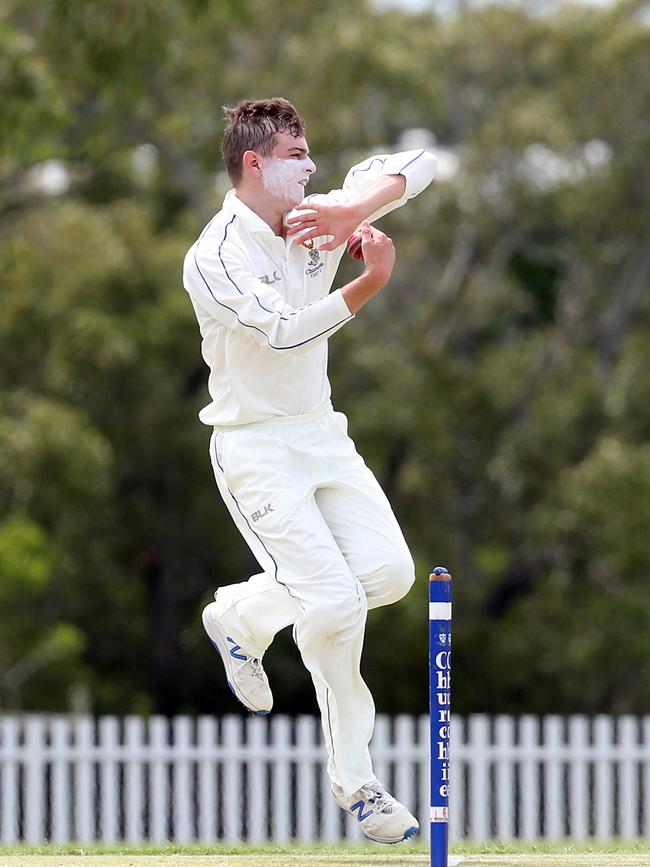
x: 410, y: 832
x: 218, y: 640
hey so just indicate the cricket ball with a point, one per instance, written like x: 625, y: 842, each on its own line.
x: 354, y: 246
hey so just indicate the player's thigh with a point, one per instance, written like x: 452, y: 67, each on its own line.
x: 241, y: 521
x: 362, y: 522
x: 276, y: 513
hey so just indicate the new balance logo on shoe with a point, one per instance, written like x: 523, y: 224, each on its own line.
x: 233, y: 650
x: 360, y: 814
x: 244, y: 674
x: 385, y: 820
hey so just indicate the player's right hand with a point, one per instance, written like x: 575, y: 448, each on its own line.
x: 378, y: 252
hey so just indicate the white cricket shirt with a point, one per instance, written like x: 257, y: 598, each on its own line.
x: 264, y: 305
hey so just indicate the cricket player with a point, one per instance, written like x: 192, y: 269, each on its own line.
x: 329, y: 547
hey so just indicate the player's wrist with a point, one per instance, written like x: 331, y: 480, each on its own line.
x: 376, y: 275
x: 355, y: 212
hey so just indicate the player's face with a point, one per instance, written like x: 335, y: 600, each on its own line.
x: 286, y: 172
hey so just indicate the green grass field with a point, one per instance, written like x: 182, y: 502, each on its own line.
x: 493, y: 855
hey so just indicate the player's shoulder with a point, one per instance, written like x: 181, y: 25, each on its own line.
x: 311, y: 199
x: 220, y: 231
x: 371, y: 164
x: 222, y: 223
x: 333, y: 197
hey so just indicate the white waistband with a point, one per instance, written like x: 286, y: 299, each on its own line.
x: 278, y: 421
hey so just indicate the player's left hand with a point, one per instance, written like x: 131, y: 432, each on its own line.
x: 339, y: 221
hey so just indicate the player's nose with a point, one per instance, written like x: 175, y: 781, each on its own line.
x: 311, y: 166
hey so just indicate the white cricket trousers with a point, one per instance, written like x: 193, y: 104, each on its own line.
x: 325, y: 535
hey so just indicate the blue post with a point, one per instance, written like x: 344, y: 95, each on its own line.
x: 439, y: 709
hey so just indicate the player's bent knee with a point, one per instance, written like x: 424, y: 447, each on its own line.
x: 340, y: 620
x: 399, y: 576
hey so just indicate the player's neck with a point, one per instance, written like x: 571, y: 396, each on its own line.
x: 269, y: 211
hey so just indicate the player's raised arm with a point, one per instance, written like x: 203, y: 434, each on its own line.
x: 221, y: 285
x: 371, y: 189
x: 379, y: 256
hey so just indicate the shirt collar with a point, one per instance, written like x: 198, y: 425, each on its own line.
x: 254, y: 222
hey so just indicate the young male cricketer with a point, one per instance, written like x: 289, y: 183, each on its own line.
x: 315, y: 517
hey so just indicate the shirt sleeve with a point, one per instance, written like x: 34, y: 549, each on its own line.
x: 220, y: 283
x: 417, y: 166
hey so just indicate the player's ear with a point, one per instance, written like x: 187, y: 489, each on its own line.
x: 251, y: 163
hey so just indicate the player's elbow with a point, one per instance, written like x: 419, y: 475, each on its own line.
x: 429, y: 167
x: 419, y: 172
x: 291, y: 344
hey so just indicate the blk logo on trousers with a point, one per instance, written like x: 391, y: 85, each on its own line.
x: 262, y: 512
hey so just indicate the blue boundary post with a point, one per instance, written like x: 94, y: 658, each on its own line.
x: 439, y: 710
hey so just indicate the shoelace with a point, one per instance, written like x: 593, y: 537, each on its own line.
x: 377, y: 795
x: 258, y: 671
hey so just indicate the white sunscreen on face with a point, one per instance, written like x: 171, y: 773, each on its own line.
x: 282, y: 178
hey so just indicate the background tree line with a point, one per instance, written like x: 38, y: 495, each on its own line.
x: 499, y: 386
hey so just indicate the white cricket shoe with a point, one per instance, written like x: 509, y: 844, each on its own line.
x: 381, y: 817
x: 245, y: 675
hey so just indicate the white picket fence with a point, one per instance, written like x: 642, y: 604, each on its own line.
x: 65, y: 778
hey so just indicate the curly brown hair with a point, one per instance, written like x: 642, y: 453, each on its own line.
x: 252, y: 126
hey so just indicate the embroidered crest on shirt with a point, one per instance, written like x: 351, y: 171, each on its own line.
x: 315, y: 264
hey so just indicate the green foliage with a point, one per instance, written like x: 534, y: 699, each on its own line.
x: 31, y: 644
x: 25, y: 561
x: 33, y: 107
x: 499, y: 387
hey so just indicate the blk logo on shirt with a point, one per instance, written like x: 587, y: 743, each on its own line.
x: 260, y: 513
x: 269, y: 280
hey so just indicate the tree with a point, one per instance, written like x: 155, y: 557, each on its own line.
x: 497, y: 386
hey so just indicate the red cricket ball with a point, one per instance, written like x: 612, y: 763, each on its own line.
x: 354, y: 246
